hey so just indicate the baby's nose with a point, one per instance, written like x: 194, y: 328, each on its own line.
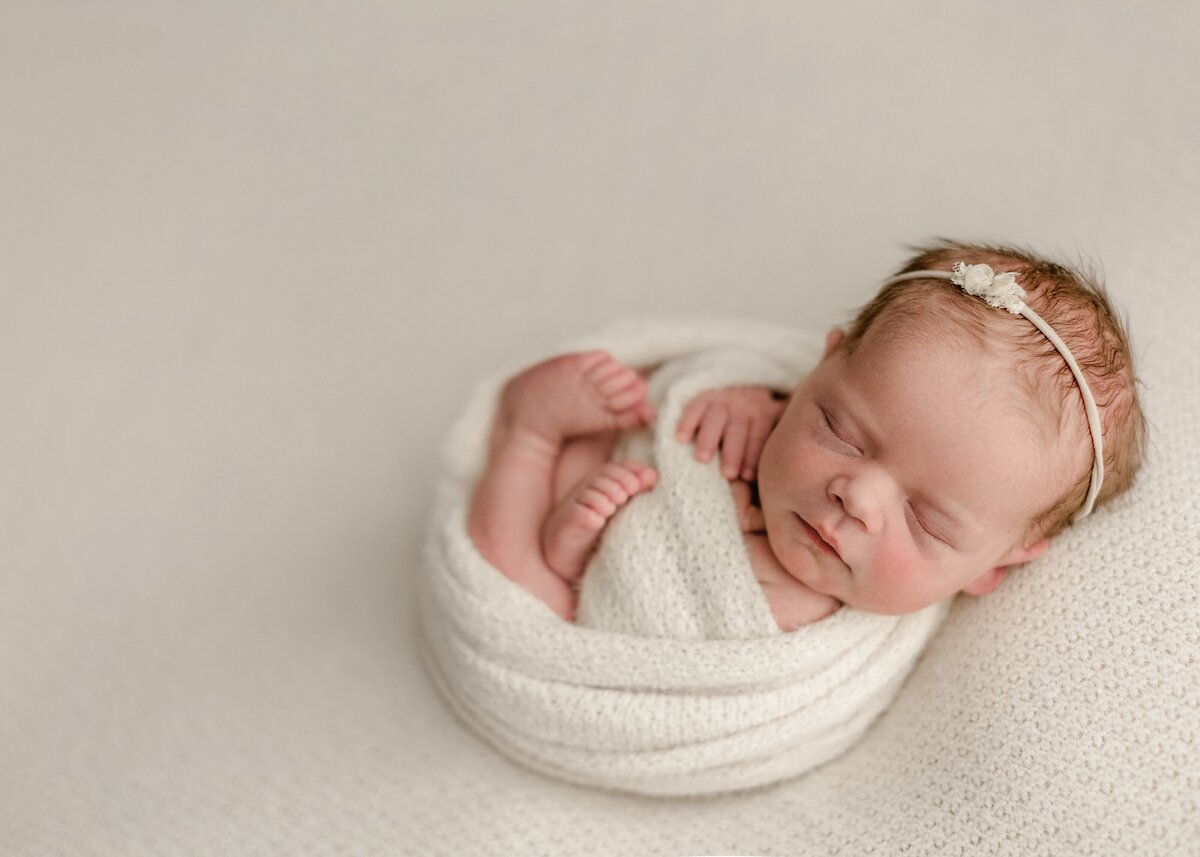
x: 859, y: 500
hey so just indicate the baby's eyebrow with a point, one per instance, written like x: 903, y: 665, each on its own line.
x: 957, y: 520
x: 849, y: 417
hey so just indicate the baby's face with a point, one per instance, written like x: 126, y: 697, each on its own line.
x: 903, y: 473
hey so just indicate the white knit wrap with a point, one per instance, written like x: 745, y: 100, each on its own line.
x: 675, y: 679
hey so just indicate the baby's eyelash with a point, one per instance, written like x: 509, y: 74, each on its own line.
x: 834, y: 432
x: 928, y: 531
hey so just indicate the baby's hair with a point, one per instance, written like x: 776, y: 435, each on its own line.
x: 1074, y: 302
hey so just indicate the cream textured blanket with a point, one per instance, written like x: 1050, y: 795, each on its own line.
x: 675, y: 679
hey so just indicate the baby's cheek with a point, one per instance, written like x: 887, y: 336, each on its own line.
x: 898, y: 582
x: 894, y: 564
x: 787, y: 449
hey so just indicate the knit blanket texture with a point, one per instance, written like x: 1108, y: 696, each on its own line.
x: 675, y: 679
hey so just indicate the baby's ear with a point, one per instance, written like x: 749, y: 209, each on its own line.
x: 991, y: 578
x: 986, y: 582
x: 1024, y: 554
x: 832, y: 340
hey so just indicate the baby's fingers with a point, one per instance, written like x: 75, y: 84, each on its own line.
x: 689, y: 420
x: 759, y: 431
x: 711, y: 429
x: 733, y: 446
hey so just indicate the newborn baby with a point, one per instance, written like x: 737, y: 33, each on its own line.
x: 938, y: 443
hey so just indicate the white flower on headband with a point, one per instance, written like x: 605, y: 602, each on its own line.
x: 999, y: 290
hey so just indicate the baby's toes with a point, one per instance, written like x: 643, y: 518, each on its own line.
x: 621, y: 390
x: 648, y: 476
x: 584, y: 517
x: 614, y: 488
x: 606, y: 374
x: 598, y: 364
x: 595, y: 499
x: 640, y: 414
x: 625, y: 390
x: 635, y: 476
x: 631, y: 409
x: 629, y: 395
x: 612, y: 377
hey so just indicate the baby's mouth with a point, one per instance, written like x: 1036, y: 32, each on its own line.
x: 817, y: 540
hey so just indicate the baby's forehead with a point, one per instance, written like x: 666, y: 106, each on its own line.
x: 1020, y: 358
x: 997, y: 368
x: 937, y: 358
x: 938, y: 314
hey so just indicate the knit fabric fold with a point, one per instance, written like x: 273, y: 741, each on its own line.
x: 675, y: 679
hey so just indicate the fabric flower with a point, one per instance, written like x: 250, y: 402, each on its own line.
x: 999, y: 290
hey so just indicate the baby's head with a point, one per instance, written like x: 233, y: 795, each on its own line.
x: 941, y: 441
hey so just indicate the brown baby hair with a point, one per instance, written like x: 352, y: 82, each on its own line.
x: 1074, y: 302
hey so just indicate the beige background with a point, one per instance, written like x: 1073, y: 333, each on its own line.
x: 253, y: 256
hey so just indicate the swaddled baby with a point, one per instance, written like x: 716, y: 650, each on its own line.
x: 978, y: 405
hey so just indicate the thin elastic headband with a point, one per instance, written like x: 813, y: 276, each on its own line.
x: 1002, y: 292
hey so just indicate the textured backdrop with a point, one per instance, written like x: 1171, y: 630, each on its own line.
x: 253, y: 256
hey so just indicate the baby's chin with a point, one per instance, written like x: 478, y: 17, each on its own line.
x: 800, y: 560
x: 888, y: 608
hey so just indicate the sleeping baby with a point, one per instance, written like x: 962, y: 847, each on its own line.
x: 978, y: 405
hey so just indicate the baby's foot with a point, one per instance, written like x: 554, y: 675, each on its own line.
x: 573, y: 395
x: 574, y: 526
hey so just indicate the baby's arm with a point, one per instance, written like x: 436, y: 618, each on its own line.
x: 736, y: 419
x: 792, y: 603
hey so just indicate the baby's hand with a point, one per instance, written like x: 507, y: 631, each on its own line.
x: 738, y: 420
x: 750, y: 517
